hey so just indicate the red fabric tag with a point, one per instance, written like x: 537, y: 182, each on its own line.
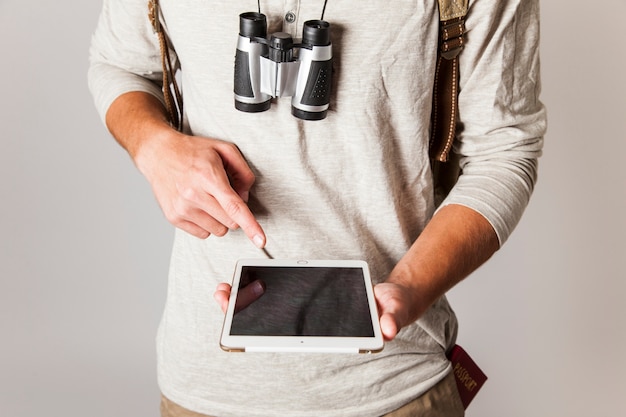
x: 469, y: 377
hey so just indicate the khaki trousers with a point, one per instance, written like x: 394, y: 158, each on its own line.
x: 440, y: 401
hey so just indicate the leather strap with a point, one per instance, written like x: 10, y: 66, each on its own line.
x: 445, y: 111
x: 171, y: 93
x: 446, y: 88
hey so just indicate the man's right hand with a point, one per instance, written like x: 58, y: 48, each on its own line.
x: 201, y: 184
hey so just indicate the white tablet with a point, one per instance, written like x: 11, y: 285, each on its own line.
x: 301, y: 306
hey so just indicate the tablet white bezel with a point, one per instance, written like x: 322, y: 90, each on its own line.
x: 231, y: 343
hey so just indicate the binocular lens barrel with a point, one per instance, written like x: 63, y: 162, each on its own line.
x: 248, y: 96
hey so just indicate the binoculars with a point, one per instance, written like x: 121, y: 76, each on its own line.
x: 274, y: 66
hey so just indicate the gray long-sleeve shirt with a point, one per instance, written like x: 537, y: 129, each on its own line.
x: 354, y: 185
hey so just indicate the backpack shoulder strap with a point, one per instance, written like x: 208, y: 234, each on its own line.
x: 446, y: 87
x: 171, y: 93
x: 445, y: 97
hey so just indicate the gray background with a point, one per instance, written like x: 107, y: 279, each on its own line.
x: 84, y: 248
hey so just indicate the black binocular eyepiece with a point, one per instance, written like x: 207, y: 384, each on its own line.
x: 252, y: 25
x: 316, y: 33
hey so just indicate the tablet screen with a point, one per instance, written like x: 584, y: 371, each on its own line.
x: 302, y: 301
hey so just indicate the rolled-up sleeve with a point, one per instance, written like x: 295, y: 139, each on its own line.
x: 124, y: 55
x: 502, y: 119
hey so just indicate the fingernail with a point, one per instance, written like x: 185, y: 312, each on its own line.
x: 258, y: 289
x: 258, y: 241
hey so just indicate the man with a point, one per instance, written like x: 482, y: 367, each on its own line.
x: 355, y: 185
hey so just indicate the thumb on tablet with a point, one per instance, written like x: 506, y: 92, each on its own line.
x: 249, y: 294
x: 246, y: 295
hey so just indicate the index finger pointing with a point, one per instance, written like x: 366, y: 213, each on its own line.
x: 237, y: 210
